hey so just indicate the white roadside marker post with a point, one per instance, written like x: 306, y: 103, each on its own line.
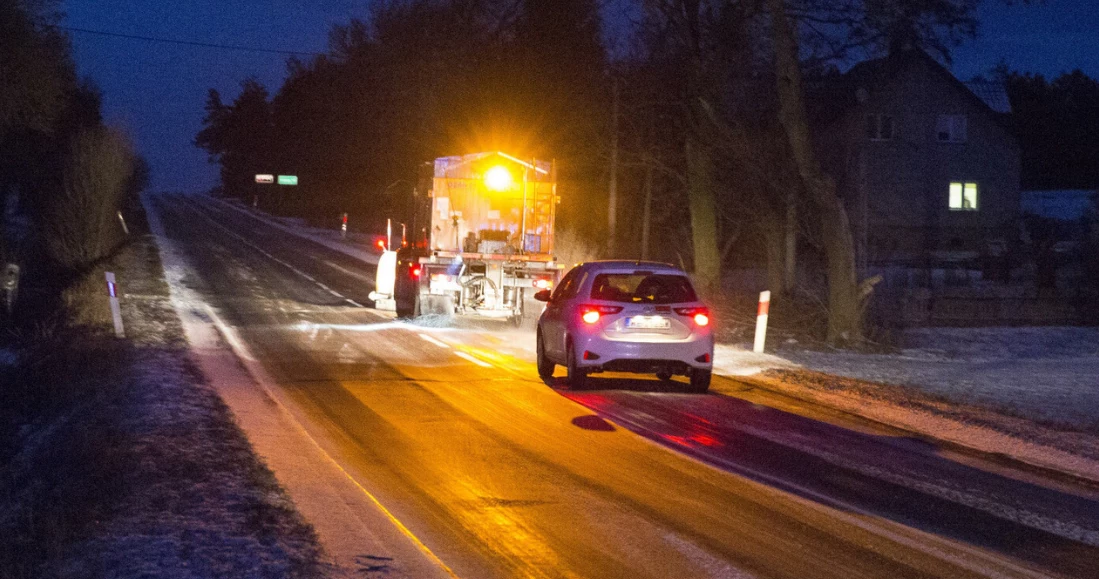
x: 116, y: 313
x: 343, y: 226
x: 122, y: 220
x: 761, y: 320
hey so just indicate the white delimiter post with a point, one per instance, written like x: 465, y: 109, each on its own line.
x: 343, y: 226
x: 116, y: 313
x: 761, y: 320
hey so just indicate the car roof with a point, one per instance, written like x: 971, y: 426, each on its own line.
x: 625, y: 265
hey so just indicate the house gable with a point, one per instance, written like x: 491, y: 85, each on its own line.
x: 913, y: 141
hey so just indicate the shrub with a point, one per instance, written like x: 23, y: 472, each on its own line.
x: 80, y: 223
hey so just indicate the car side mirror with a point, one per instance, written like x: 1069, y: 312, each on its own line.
x: 542, y: 296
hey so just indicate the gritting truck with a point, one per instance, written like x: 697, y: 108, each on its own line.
x: 485, y: 240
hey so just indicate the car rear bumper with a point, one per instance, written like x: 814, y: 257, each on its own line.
x: 596, y: 353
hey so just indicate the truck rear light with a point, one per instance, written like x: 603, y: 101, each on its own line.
x: 415, y: 271
x: 591, y: 314
x: 381, y: 244
x: 440, y: 277
x: 543, y: 283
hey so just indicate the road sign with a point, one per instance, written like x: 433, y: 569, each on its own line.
x: 265, y: 178
x: 288, y: 179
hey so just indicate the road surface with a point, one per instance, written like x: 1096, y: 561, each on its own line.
x: 496, y: 473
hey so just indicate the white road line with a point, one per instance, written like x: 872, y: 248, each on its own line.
x: 353, y: 302
x: 428, y: 338
x: 480, y: 363
x: 281, y: 262
x: 348, y: 272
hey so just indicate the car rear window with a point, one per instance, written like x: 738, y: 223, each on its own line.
x: 633, y: 288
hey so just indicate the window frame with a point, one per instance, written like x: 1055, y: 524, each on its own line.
x: 957, y: 128
x: 875, y: 124
x: 962, y: 197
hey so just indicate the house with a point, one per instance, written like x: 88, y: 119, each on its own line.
x: 927, y: 164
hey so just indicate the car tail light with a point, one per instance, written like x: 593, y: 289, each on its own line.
x: 381, y: 244
x: 591, y: 314
x: 700, y: 316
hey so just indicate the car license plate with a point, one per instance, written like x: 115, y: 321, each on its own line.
x: 648, y: 323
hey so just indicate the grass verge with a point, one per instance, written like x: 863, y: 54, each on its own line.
x: 116, y: 459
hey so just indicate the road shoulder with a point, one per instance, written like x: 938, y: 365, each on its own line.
x: 358, y: 534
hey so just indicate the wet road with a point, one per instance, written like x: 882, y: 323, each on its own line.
x: 502, y: 475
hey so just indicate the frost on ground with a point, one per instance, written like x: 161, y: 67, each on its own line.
x: 164, y: 483
x: 1046, y: 374
x: 1028, y: 393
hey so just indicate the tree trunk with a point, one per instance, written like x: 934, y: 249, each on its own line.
x: 700, y: 191
x: 790, y: 245
x: 844, y: 299
x: 612, y: 193
x: 776, y: 263
x: 647, y: 214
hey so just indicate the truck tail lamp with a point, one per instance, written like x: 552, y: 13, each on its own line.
x: 543, y: 283
x: 415, y: 271
x: 700, y: 316
x: 591, y: 314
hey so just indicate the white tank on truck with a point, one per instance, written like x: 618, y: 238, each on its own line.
x: 487, y: 245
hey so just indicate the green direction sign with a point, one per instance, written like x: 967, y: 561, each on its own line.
x: 288, y: 179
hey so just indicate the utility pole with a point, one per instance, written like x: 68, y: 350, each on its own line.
x: 612, y: 198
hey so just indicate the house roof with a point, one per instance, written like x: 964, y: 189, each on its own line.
x: 993, y: 93
x: 835, y: 95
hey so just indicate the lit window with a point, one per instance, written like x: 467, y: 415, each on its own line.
x: 963, y: 196
x: 879, y: 127
x: 951, y: 129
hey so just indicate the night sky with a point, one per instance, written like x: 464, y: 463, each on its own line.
x: 156, y: 91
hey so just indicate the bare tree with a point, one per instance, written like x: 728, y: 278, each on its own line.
x: 844, y: 294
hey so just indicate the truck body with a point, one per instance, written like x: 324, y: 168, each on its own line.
x: 486, y: 244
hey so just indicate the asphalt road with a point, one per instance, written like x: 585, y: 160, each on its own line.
x: 502, y: 475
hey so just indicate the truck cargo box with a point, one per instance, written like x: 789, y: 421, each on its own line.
x: 493, y: 204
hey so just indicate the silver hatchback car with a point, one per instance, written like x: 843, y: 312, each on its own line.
x: 625, y: 316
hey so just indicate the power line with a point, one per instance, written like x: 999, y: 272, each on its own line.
x: 189, y: 42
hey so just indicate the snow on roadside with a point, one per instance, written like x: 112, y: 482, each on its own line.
x: 197, y: 500
x: 999, y: 390
x: 1045, y: 374
x: 326, y: 237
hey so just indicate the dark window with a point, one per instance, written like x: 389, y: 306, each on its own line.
x: 642, y: 288
x: 951, y: 128
x: 879, y: 127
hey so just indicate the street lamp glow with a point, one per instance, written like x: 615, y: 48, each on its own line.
x: 498, y: 178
